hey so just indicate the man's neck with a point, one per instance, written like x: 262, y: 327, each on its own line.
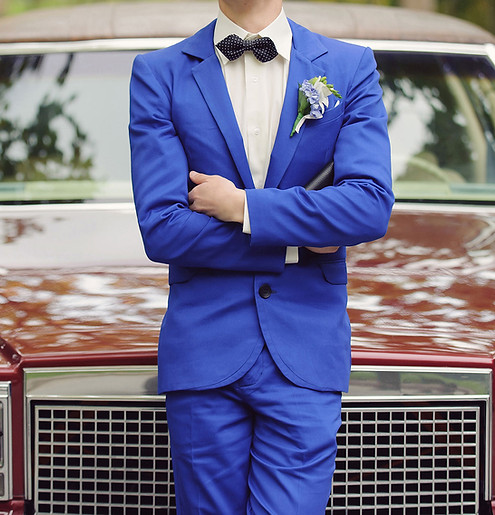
x: 252, y: 15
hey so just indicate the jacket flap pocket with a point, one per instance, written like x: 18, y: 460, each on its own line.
x: 335, y: 272
x: 179, y: 274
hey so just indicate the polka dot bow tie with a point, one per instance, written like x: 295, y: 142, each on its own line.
x: 232, y: 47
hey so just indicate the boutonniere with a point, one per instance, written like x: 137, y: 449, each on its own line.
x: 313, y: 100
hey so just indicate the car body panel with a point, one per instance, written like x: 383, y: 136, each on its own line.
x: 155, y: 20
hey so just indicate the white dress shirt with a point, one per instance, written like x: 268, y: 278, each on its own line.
x: 257, y: 93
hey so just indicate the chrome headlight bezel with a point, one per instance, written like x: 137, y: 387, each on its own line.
x: 6, y: 492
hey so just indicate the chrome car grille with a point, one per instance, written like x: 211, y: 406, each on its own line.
x: 415, y: 454
x: 409, y: 459
x: 100, y: 458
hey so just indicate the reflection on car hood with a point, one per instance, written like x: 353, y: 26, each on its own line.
x: 74, y: 279
x: 427, y: 288
x: 82, y: 311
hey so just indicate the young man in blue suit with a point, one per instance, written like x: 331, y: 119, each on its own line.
x: 255, y: 345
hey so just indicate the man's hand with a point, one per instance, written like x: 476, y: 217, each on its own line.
x: 323, y: 250
x: 216, y: 196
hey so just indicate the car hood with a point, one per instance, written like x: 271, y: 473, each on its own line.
x: 424, y: 293
x: 428, y: 287
x: 74, y: 281
x: 50, y: 313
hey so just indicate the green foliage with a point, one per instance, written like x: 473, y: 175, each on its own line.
x: 19, y: 6
x: 481, y: 12
x: 33, y: 150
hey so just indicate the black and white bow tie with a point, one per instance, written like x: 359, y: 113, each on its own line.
x: 232, y: 47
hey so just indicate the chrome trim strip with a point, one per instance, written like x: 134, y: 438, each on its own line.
x: 100, y: 398
x: 410, y: 401
x: 91, y: 382
x: 423, y: 46
x: 436, y: 206
x: 146, y: 44
x: 84, y: 206
x: 372, y: 383
x: 28, y: 436
x: 96, y: 45
x: 6, y: 439
x: 490, y: 50
x: 444, y: 208
x: 409, y: 382
x: 489, y: 444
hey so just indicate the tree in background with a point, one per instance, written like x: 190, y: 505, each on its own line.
x: 481, y: 12
x: 424, y: 5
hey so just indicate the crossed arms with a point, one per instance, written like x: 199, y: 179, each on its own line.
x: 203, y: 228
x: 216, y: 196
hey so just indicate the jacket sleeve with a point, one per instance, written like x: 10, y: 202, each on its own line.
x: 171, y: 232
x: 357, y: 208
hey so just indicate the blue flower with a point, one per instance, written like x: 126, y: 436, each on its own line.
x: 313, y: 99
x: 316, y: 111
x: 310, y: 91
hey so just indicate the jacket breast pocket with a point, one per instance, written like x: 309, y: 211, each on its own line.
x: 333, y: 114
x: 326, y: 129
x: 334, y: 272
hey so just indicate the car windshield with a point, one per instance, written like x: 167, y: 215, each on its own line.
x: 63, y: 127
x: 64, y: 117
x: 442, y: 125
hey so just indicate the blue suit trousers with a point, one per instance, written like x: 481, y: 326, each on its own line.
x: 261, y: 445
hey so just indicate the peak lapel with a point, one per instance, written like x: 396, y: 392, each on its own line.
x: 209, y: 78
x: 306, y: 48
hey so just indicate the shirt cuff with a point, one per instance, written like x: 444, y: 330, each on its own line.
x: 292, y: 255
x: 246, y: 224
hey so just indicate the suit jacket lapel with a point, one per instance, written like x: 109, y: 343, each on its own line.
x: 209, y: 77
x: 305, y: 48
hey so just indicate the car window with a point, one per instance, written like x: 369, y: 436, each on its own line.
x: 64, y: 117
x: 63, y: 127
x: 441, y: 123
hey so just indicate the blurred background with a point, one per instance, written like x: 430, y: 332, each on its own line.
x: 481, y: 12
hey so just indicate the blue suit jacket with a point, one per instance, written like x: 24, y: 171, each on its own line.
x: 181, y: 120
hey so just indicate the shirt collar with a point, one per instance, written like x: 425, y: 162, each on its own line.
x: 279, y: 31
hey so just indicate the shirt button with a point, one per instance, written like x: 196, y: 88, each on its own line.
x: 255, y: 79
x: 265, y: 291
x: 256, y: 132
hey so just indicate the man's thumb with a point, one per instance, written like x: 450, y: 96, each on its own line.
x: 197, y: 177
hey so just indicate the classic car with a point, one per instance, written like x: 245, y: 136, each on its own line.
x: 82, y: 429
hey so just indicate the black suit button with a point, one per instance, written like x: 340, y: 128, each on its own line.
x: 265, y: 291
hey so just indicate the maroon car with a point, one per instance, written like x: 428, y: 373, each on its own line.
x: 81, y: 427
